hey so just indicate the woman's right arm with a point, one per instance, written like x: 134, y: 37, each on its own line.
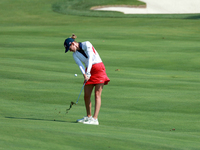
x: 79, y: 63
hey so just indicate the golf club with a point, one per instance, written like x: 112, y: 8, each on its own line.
x: 72, y: 103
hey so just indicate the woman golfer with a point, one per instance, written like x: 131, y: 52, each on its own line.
x: 94, y: 75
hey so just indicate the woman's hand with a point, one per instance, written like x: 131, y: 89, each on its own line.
x: 87, y: 76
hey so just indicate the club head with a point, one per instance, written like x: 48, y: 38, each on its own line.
x: 72, y: 103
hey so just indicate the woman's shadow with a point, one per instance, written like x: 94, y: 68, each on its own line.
x: 40, y: 119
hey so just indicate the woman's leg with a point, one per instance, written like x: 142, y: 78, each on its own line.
x: 87, y: 95
x: 98, y: 91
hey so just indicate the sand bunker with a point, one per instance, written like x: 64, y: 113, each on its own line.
x: 159, y: 7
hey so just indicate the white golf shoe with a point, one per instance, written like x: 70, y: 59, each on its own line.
x: 84, y: 119
x: 92, y: 121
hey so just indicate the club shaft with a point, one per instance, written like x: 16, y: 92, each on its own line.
x: 80, y: 92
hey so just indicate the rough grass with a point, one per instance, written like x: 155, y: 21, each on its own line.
x: 83, y: 8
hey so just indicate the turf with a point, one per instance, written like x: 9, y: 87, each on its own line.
x: 153, y: 64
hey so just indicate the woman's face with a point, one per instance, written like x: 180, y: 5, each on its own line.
x: 73, y: 47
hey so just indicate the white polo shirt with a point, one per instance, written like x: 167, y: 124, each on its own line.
x: 91, y: 57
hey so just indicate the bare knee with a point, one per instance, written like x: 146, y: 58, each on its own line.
x: 97, y: 96
x: 98, y: 91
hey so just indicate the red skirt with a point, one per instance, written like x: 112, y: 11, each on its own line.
x: 98, y: 74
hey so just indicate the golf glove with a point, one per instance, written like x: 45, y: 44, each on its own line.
x: 88, y: 75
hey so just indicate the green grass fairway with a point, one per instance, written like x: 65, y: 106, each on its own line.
x: 151, y: 103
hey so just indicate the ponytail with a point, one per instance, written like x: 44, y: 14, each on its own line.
x: 73, y: 36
